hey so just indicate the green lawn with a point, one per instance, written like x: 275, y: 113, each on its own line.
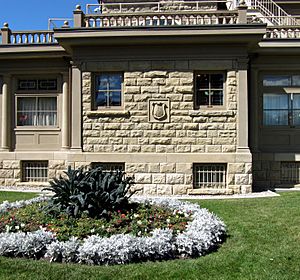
x: 13, y: 196
x: 263, y: 243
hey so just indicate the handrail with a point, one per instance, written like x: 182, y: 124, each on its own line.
x: 270, y: 9
x: 52, y: 22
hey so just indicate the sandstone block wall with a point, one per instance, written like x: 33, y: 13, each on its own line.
x: 206, y: 132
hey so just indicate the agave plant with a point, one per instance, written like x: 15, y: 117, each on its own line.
x: 94, y: 192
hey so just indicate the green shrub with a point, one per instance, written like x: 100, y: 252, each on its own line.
x: 93, y: 192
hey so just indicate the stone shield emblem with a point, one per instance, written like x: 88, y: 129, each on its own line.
x: 159, y: 111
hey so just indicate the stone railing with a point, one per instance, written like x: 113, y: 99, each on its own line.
x: 32, y: 37
x: 161, y: 19
x: 283, y: 32
x: 158, y: 6
x: 26, y: 37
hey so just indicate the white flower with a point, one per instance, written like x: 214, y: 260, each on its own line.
x: 22, y: 225
x: 17, y: 227
x: 8, y: 228
x: 92, y: 230
x: 136, y: 215
x: 139, y: 222
x: 168, y: 221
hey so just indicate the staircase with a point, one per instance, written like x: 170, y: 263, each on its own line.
x: 267, y: 11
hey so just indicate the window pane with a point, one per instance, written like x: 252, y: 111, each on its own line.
x: 296, y: 101
x: 202, y: 81
x: 101, y: 98
x: 296, y: 117
x: 102, y: 82
x: 27, y: 85
x: 216, y: 97
x: 276, y: 117
x: 26, y: 111
x: 296, y: 80
x: 276, y: 80
x: 115, y: 98
x: 115, y: 81
x: 48, y: 84
x: 216, y: 81
x: 276, y: 101
x: 202, y: 97
x: 46, y: 111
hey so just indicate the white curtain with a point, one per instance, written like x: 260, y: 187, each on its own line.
x: 37, y: 111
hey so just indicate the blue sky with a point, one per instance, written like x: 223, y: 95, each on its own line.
x: 34, y: 14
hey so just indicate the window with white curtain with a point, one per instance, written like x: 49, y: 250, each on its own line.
x: 36, y: 102
x: 281, y: 108
x: 36, y: 111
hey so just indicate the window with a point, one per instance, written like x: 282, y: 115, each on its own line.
x: 42, y: 84
x: 109, y: 166
x: 290, y: 172
x: 208, y: 175
x: 281, y: 108
x: 209, y: 89
x: 36, y: 111
x: 36, y: 102
x: 34, y: 171
x: 108, y: 88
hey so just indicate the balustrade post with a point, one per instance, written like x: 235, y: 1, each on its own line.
x: 78, y: 16
x: 5, y: 33
x: 242, y: 12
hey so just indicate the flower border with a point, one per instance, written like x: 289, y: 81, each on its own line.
x: 203, y: 234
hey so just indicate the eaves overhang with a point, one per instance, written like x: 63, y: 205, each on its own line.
x: 246, y: 34
x: 279, y: 46
x: 19, y: 51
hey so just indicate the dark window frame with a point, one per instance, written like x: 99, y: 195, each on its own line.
x: 197, y: 91
x: 108, y: 106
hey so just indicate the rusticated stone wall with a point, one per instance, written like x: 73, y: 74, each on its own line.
x: 11, y: 172
x: 201, y: 131
x: 207, y: 132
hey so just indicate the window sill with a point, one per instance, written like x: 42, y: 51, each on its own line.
x: 210, y: 113
x: 33, y: 184
x: 108, y: 113
x: 36, y: 128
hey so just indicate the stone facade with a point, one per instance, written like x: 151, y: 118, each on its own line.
x: 188, y: 132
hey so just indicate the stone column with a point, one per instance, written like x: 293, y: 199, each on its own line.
x: 243, y: 120
x: 5, y: 114
x: 65, y: 125
x: 76, y: 111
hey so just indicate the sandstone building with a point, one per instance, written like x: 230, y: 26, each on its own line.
x: 190, y: 96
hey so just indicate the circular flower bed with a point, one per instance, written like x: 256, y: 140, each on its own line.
x: 202, y: 234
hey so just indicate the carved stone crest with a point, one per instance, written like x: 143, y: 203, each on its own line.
x: 159, y: 110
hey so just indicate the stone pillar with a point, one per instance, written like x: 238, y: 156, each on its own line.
x: 5, y: 34
x: 243, y: 120
x: 76, y: 113
x: 65, y: 126
x: 78, y: 17
x: 5, y: 117
x: 242, y: 12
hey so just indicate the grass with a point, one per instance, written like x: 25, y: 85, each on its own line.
x: 13, y: 196
x: 263, y: 243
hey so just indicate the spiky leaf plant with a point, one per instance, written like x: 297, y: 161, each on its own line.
x: 94, y: 192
